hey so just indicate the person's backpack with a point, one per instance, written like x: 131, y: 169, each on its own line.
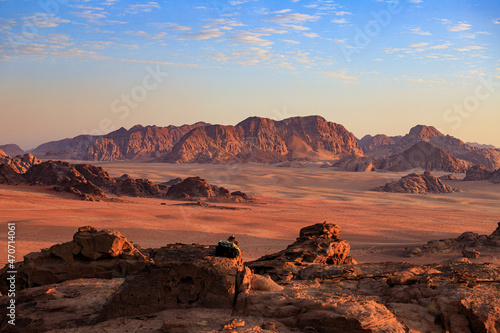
x: 227, y: 249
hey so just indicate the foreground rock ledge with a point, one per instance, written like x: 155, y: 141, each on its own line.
x: 185, y: 288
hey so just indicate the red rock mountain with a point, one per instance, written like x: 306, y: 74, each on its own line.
x: 468, y: 154
x: 423, y: 155
x: 139, y: 142
x: 266, y: 141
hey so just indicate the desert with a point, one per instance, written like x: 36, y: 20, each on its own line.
x: 246, y: 166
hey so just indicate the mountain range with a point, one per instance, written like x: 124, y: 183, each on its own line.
x: 264, y: 140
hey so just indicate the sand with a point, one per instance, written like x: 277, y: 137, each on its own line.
x: 377, y: 225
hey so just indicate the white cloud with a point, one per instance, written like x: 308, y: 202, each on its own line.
x: 496, y: 21
x: 339, y: 75
x: 339, y: 21
x: 419, y: 45
x: 414, y: 1
x: 418, y: 31
x: 296, y: 27
x: 270, y: 31
x: 292, y: 18
x: 469, y: 48
x: 311, y: 34
x: 147, y: 35
x: 249, y: 38
x: 377, y: 59
x: 110, y: 2
x: 460, y: 27
x: 289, y: 41
x: 342, y: 13
x: 441, y: 46
x: 283, y: 11
x: 42, y: 20
x: 90, y: 15
x: 204, y: 34
x: 142, y: 8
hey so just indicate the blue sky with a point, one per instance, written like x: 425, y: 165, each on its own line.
x: 67, y: 67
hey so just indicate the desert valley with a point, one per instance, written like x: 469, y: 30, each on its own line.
x: 415, y: 211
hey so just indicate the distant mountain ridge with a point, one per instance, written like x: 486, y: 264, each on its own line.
x: 139, y: 142
x: 264, y: 140
x: 469, y: 155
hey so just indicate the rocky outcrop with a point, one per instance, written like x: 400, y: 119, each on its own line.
x: 183, y: 276
x: 9, y: 176
x: 319, y: 243
x: 357, y: 163
x: 196, y: 187
x: 91, y: 254
x: 137, y: 188
x: 265, y: 141
x: 415, y: 183
x: 20, y: 164
x: 468, y: 242
x: 449, y: 177
x: 477, y: 172
x: 186, y: 288
x: 423, y: 155
x: 65, y: 177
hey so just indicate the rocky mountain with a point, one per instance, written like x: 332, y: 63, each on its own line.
x: 423, y: 155
x: 266, y: 141
x: 139, y: 142
x: 378, y: 145
x: 382, y: 146
x: 12, y: 149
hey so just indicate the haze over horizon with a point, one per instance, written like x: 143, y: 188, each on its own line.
x: 376, y: 67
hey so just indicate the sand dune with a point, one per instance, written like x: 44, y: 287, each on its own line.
x: 377, y: 225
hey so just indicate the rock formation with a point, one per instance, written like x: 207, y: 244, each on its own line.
x: 415, y: 183
x: 196, y: 187
x: 10, y: 176
x: 423, y: 155
x: 185, y: 288
x: 91, y: 254
x: 467, y: 241
x: 382, y: 146
x: 357, y: 163
x: 136, y: 143
x: 449, y: 177
x: 378, y: 145
x: 265, y: 141
x: 183, y: 276
x: 319, y: 243
x: 19, y: 163
x: 479, y: 172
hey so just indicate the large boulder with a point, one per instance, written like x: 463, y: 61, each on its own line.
x: 316, y: 244
x: 415, y: 183
x: 137, y: 188
x: 91, y: 254
x: 183, y: 276
x: 477, y: 172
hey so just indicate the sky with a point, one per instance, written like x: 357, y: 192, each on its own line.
x: 71, y: 67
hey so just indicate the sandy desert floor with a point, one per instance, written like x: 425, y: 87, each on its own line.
x: 377, y: 225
